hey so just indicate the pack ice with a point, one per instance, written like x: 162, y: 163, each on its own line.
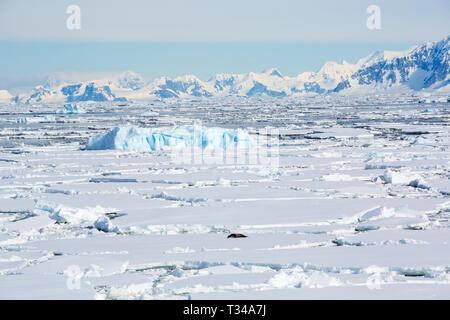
x: 357, y: 207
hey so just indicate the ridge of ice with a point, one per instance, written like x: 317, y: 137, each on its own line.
x: 388, y: 212
x: 62, y: 213
x: 403, y: 178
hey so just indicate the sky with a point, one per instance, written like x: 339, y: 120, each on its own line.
x: 203, y: 37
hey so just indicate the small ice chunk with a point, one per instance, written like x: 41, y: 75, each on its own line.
x: 404, y: 178
x: 104, y: 224
x: 421, y: 140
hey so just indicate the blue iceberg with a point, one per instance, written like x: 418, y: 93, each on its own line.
x: 71, y: 109
x: 150, y: 139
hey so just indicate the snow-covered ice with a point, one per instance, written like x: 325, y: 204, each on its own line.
x: 93, y: 205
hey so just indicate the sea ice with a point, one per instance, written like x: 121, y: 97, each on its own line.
x: 316, y: 224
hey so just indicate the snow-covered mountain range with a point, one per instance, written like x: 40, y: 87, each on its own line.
x: 423, y: 67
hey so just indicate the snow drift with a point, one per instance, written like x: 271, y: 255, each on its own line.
x: 149, y: 139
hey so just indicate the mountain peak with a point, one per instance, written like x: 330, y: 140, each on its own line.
x: 131, y: 80
x: 51, y: 81
x: 381, y: 55
x: 335, y: 70
x: 273, y: 72
x: 187, y: 78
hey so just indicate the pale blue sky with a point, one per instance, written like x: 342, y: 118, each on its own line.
x: 230, y: 20
x: 204, y: 37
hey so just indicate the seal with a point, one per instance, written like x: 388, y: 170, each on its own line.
x: 237, y: 235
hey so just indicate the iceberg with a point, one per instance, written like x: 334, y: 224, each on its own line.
x: 27, y: 120
x: 151, y: 139
x: 71, y: 109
